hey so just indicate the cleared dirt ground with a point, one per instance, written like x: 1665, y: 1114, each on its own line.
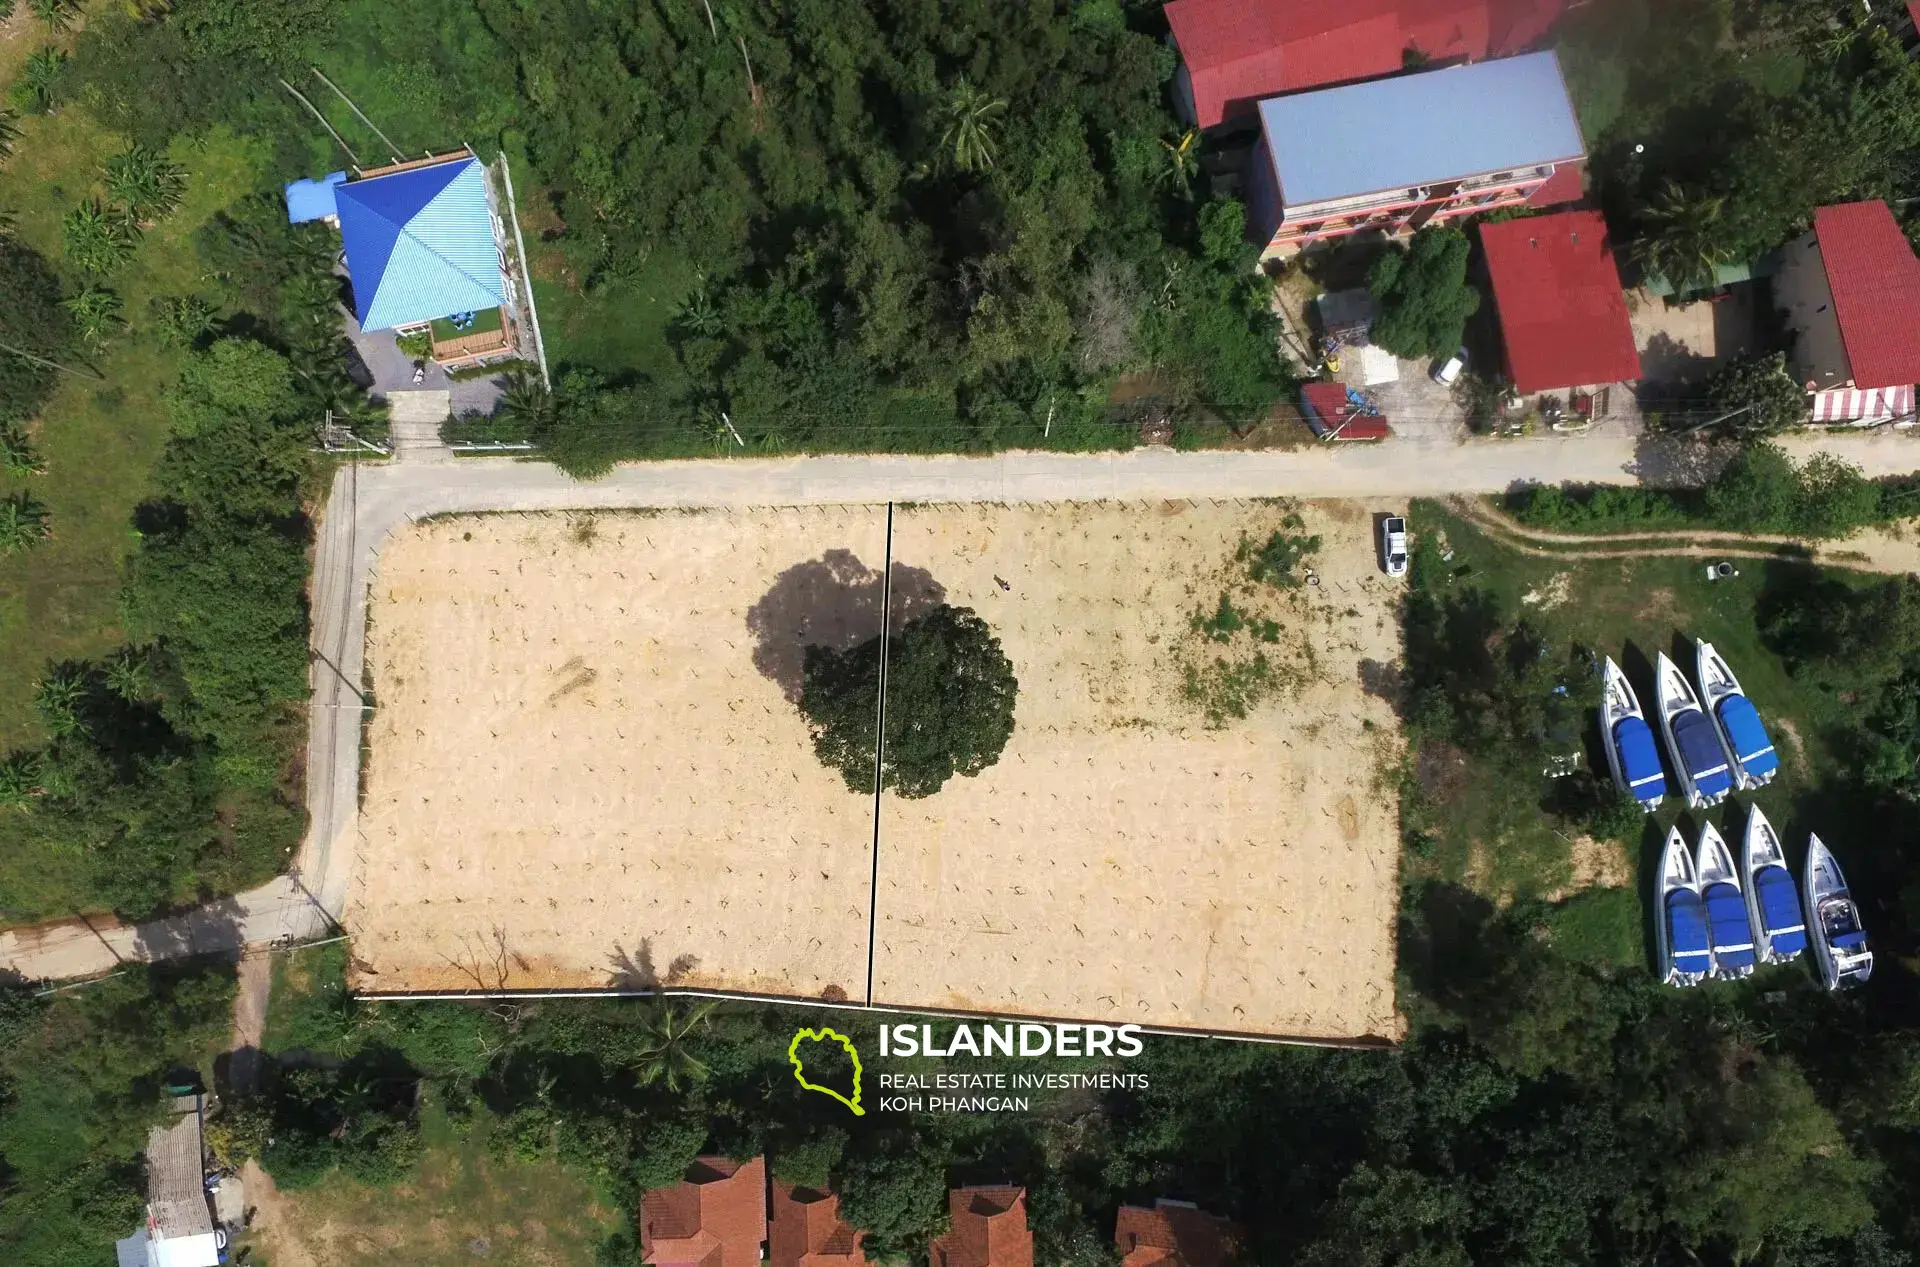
x: 585, y: 768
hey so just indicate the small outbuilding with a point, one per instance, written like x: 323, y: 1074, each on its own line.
x: 1849, y: 291
x: 309, y: 200
x: 1335, y: 412
x: 179, y: 1231
x: 1562, y: 311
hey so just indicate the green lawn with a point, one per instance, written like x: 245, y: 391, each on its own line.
x: 620, y: 329
x: 485, y: 321
x: 1493, y: 836
x: 99, y: 439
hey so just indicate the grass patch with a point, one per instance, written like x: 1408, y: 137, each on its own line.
x: 466, y: 1202
x: 485, y: 321
x: 1600, y: 926
x: 1485, y: 828
x: 99, y: 439
x: 620, y: 328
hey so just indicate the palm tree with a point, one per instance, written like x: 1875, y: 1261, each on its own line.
x: 23, y: 524
x: 19, y: 780
x: 38, y: 75
x: 95, y: 241
x: 970, y: 120
x: 697, y: 312
x: 1681, y: 237
x: 17, y: 457
x: 526, y: 404
x: 1183, y: 161
x: 57, y: 14
x: 58, y: 696
x: 96, y: 311
x: 9, y: 132
x: 663, y: 1056
x: 144, y: 185
x: 127, y: 676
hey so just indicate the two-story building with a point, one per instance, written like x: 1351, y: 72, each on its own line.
x: 1391, y: 156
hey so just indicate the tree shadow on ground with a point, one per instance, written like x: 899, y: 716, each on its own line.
x: 832, y: 601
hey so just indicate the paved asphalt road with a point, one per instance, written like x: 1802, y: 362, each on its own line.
x: 367, y: 503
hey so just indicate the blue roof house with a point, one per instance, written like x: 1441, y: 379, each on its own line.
x: 420, y: 243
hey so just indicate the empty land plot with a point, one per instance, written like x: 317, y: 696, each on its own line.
x: 587, y: 767
x: 1124, y: 861
x: 579, y: 774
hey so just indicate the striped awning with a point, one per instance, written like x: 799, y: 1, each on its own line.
x: 1852, y: 404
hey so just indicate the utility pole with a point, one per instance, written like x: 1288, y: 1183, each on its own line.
x: 735, y: 434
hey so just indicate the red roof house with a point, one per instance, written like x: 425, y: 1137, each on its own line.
x: 809, y: 1232
x: 989, y: 1229
x: 1174, y: 1234
x: 716, y: 1217
x: 1563, y: 314
x: 1850, y: 292
x: 1235, y: 52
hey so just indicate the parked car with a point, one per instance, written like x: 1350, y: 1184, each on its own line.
x: 1448, y: 372
x: 1393, y: 545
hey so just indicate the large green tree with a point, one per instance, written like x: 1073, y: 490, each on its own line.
x: 1422, y: 296
x: 949, y: 709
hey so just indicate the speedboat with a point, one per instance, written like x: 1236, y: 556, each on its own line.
x: 1727, y: 924
x: 1773, y: 908
x: 1681, y: 929
x: 1746, y: 739
x: 1628, y: 740
x: 1700, y: 758
x: 1839, y: 940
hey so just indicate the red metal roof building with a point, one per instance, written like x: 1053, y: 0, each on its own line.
x: 1235, y: 52
x: 989, y: 1229
x: 1563, y: 314
x: 716, y: 1217
x: 1850, y: 291
x: 1333, y: 416
x: 809, y: 1232
x: 1174, y: 1234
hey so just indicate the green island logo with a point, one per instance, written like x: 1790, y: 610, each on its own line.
x: 822, y: 1035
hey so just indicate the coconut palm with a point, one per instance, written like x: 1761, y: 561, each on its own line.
x: 57, y: 697
x: 96, y: 313
x: 17, y: 457
x: 970, y: 117
x: 19, y: 780
x: 23, y: 524
x: 59, y: 15
x: 39, y: 73
x: 1681, y: 236
x: 1183, y: 161
x: 143, y: 185
x: 95, y: 241
x: 697, y: 312
x: 526, y: 404
x: 663, y: 1055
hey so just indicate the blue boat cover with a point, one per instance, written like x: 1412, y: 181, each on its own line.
x: 1687, y: 931
x: 1732, y: 934
x: 1701, y: 753
x: 1780, y: 911
x: 1848, y: 941
x: 1751, y: 746
x: 1639, y: 761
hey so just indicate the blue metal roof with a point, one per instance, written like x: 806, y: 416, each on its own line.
x: 420, y: 244
x: 1422, y: 129
x: 312, y: 199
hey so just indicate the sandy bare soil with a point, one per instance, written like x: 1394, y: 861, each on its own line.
x: 585, y: 768
x: 1124, y: 861
x: 579, y: 773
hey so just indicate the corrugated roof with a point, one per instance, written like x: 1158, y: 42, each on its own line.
x: 1421, y: 129
x: 312, y: 199
x: 1239, y: 51
x: 1875, y: 279
x: 420, y: 244
x: 1563, y: 315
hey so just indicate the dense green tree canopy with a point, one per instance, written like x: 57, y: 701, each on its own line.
x: 1422, y: 295
x: 33, y: 322
x: 950, y: 695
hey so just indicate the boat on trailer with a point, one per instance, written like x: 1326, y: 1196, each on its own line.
x: 1839, y: 939
x: 1681, y: 929
x: 1773, y: 901
x: 1629, y: 740
x: 1700, y: 758
x: 1741, y: 731
x: 1730, y: 931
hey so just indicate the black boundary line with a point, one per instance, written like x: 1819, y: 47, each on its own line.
x: 879, y: 748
